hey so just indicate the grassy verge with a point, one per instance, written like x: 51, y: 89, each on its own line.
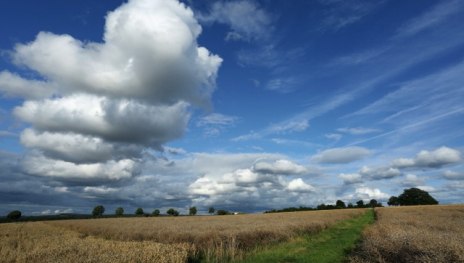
x: 330, y: 245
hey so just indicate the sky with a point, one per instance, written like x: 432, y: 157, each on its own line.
x: 243, y: 105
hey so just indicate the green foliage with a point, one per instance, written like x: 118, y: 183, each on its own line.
x: 211, y: 210
x: 172, y: 212
x: 156, y: 212
x: 360, y: 204
x: 139, y: 211
x: 119, y: 211
x: 416, y: 196
x: 192, y: 211
x: 350, y: 205
x: 393, y: 201
x: 340, y: 204
x: 98, y: 210
x: 14, y: 215
x: 222, y: 212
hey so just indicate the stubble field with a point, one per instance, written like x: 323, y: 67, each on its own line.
x: 158, y: 239
x: 414, y: 234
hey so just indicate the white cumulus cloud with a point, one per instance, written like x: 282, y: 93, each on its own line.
x: 432, y: 159
x: 96, y: 105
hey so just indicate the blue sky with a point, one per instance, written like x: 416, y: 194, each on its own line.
x: 241, y: 105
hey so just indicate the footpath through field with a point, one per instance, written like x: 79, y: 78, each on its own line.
x: 330, y: 245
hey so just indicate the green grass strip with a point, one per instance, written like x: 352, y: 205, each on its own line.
x: 330, y: 245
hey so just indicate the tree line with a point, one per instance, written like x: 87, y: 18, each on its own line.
x: 411, y: 196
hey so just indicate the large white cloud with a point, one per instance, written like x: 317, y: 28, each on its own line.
x: 80, y: 173
x: 341, y: 155
x: 433, y: 159
x: 97, y: 105
x: 379, y: 172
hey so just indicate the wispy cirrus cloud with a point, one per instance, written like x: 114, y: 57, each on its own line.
x: 341, y: 14
x: 439, y: 13
x: 248, y: 20
x: 215, y: 123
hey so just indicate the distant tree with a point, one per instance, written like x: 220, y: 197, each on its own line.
x: 393, y: 201
x: 156, y: 212
x: 119, y: 211
x: 98, y: 210
x: 192, y: 211
x: 340, y: 204
x: 139, y: 211
x: 373, y: 203
x: 211, y: 210
x: 172, y: 212
x: 360, y: 204
x: 321, y: 207
x: 222, y: 212
x: 416, y: 196
x: 14, y: 215
x: 350, y: 205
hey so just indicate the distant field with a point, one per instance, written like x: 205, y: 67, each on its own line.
x: 162, y: 239
x: 414, y: 234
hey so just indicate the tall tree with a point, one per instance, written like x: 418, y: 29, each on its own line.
x: 119, y: 211
x: 393, y: 201
x: 98, y: 210
x: 340, y: 204
x: 416, y: 196
x: 211, y: 210
x: 192, y: 211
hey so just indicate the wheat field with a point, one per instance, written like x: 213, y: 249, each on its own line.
x: 414, y: 234
x: 157, y: 239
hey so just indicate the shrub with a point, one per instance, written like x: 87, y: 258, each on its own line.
x: 14, y: 215
x: 98, y: 210
x: 155, y: 212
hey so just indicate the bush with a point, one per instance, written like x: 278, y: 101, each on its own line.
x: 14, y: 215
x: 98, y: 210
x: 155, y: 212
x: 139, y: 211
x: 119, y: 211
x: 172, y: 212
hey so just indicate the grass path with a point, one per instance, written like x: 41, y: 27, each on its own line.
x: 330, y: 245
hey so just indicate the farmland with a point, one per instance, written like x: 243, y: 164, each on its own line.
x: 399, y: 234
x: 414, y: 234
x: 158, y: 239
